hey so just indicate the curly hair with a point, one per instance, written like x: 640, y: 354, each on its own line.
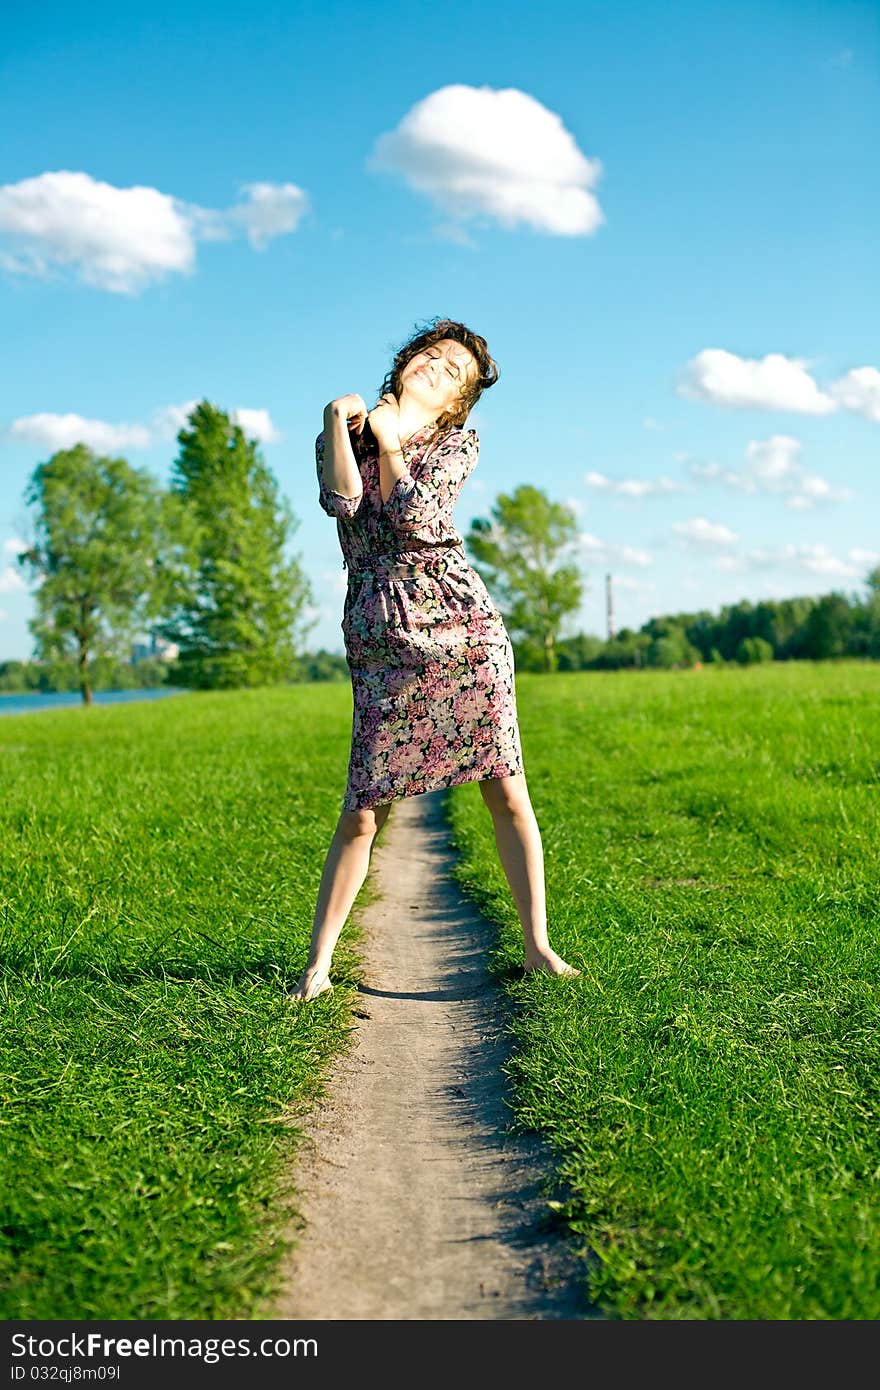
x: 434, y: 331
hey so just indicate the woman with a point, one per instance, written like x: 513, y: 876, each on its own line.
x: 431, y: 663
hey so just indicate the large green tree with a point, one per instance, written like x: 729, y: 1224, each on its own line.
x: 523, y: 549
x: 239, y: 612
x: 99, y: 526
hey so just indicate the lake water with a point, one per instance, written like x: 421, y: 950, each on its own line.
x: 32, y: 701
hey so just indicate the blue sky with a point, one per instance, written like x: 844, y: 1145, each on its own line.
x: 662, y: 216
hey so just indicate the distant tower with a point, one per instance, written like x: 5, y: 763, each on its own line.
x: 609, y: 607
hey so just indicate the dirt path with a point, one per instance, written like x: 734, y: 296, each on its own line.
x: 417, y: 1202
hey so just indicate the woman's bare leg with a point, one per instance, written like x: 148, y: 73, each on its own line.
x: 345, y: 869
x: 518, y: 840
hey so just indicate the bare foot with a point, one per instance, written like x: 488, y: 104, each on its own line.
x: 312, y: 982
x: 549, y: 963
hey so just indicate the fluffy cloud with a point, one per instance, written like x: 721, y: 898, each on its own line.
x: 814, y: 558
x: 256, y: 424
x: 64, y: 431
x: 271, y: 210
x: 774, y: 382
x: 773, y: 466
x: 633, y: 487
x: 859, y: 390
x: 700, y: 531
x: 869, y: 558
x: 774, y: 461
x: 598, y: 552
x: 168, y: 420
x: 125, y: 239
x: 11, y: 581
x: 483, y: 152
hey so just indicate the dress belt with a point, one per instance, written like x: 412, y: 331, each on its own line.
x: 389, y: 566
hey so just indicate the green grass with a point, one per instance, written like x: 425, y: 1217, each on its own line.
x: 159, y: 865
x: 710, y: 1085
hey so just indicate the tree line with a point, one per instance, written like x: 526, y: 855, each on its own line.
x: 528, y: 549
x: 201, y: 563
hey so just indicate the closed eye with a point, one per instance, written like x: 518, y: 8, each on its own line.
x: 453, y: 374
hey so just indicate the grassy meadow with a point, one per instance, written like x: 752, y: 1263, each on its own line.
x: 709, y: 1086
x: 711, y: 1083
x: 159, y: 864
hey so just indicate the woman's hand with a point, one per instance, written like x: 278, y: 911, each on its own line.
x: 353, y: 410
x: 384, y: 421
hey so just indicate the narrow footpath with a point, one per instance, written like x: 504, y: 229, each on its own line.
x: 417, y: 1200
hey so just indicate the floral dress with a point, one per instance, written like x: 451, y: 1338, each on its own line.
x: 431, y: 663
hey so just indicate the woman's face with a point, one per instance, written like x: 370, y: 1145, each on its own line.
x: 436, y: 375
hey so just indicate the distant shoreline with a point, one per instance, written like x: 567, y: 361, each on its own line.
x: 34, y: 701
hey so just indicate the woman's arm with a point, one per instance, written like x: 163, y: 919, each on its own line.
x: 340, y: 488
x: 414, y: 505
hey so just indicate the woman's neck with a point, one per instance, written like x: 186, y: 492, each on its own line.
x: 410, y: 425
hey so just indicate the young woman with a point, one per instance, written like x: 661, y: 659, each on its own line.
x: 431, y: 662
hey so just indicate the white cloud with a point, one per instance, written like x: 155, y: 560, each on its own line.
x: 498, y: 153
x: 773, y: 461
x: 773, y: 466
x: 774, y: 382
x: 859, y: 390
x: 633, y: 487
x: 125, y: 239
x: 64, y: 431
x: 813, y: 489
x: 820, y: 560
x: 700, y: 531
x: 812, y: 557
x: 118, y: 239
x: 599, y: 552
x: 869, y: 558
x: 639, y: 586
x: 169, y: 420
x: 11, y: 581
x: 257, y: 424
x: 13, y: 546
x: 271, y: 210
x: 716, y: 472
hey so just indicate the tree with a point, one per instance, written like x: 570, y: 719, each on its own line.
x: 828, y: 628
x: 866, y: 619
x: 670, y: 649
x: 92, y: 555
x: 521, y: 548
x: 752, y: 650
x: 627, y: 649
x: 578, y: 652
x: 238, y: 613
